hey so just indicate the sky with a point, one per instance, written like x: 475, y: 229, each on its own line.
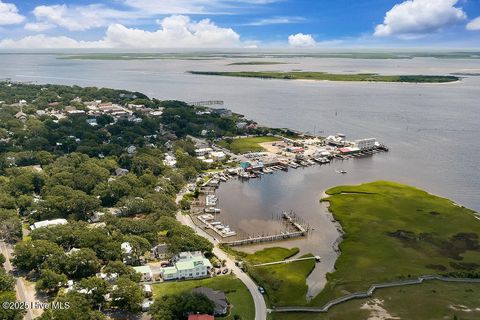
x: 161, y: 24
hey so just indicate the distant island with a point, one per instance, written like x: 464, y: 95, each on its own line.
x: 267, y: 55
x: 325, y: 76
x: 255, y: 63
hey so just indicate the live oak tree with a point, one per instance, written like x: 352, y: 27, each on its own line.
x: 30, y: 255
x: 50, y: 282
x: 127, y: 295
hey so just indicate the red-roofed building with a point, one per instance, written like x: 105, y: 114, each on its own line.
x: 200, y: 317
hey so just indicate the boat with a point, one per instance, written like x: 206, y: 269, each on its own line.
x: 342, y: 171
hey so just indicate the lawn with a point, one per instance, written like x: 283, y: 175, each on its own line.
x: 237, y: 294
x: 244, y: 145
x: 285, y: 284
x: 428, y: 301
x: 393, y: 231
x: 322, y: 76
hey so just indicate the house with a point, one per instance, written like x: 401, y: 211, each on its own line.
x: 109, y: 277
x: 92, y: 122
x: 241, y: 125
x: 218, y: 155
x: 187, y: 265
x: 145, y: 271
x: 76, y: 113
x: 203, y: 151
x: 217, y: 297
x: 169, y: 273
x: 156, y: 113
x: 127, y: 253
x: 169, y: 160
x: 121, y: 172
x: 47, y: 223
x: 222, y: 112
x: 21, y: 116
x: 148, y: 290
x: 160, y: 251
x: 96, y: 216
x: 131, y: 149
x: 200, y: 317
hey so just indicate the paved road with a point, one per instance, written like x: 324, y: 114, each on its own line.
x: 6, y: 250
x: 259, y: 301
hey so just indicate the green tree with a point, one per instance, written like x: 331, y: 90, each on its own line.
x: 30, y: 255
x: 7, y: 314
x: 79, y: 308
x: 122, y: 270
x: 81, y: 263
x: 172, y: 307
x: 127, y: 295
x: 10, y: 226
x: 7, y: 283
x: 50, y: 281
x: 139, y: 246
x: 95, y: 290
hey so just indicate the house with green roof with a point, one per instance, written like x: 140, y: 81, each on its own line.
x: 187, y: 265
x: 145, y: 271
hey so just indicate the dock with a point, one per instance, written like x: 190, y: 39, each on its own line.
x: 300, y: 231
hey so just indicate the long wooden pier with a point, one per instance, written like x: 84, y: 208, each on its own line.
x: 300, y: 232
x: 275, y: 237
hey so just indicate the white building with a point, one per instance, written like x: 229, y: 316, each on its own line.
x: 188, y: 265
x: 170, y: 161
x: 47, y: 223
x: 366, y: 143
x: 218, y: 155
x: 203, y: 151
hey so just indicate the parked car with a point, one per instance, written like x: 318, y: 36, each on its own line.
x: 219, y: 271
x: 261, y: 290
x: 225, y: 271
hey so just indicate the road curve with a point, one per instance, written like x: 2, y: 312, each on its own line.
x: 258, y: 300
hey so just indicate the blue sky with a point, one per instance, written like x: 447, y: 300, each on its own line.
x: 449, y: 24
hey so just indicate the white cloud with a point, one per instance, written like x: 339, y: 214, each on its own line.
x: 175, y: 32
x: 301, y: 40
x: 79, y: 18
x: 192, y: 6
x: 9, y: 14
x: 474, y: 24
x: 44, y: 42
x: 276, y: 20
x: 413, y: 18
x: 37, y: 26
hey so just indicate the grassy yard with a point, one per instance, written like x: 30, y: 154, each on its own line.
x: 301, y: 75
x: 394, y: 231
x: 244, y: 145
x: 428, y: 301
x: 237, y: 293
x: 285, y: 284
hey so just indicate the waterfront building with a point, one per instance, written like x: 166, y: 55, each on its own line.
x: 364, y: 144
x: 187, y: 265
